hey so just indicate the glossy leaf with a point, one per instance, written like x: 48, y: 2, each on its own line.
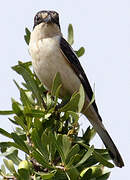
x: 73, y: 174
x: 102, y: 160
x: 72, y: 105
x: 6, y: 112
x: 74, y: 115
x: 89, y: 134
x: 34, y: 113
x: 17, y: 108
x: 37, y: 142
x: 72, y: 152
x: 12, y: 154
x: 82, y: 99
x: 20, y: 69
x: 19, y: 141
x: 24, y: 98
x: 99, y: 157
x: 80, y: 52
x: 10, y: 166
x: 27, y: 36
x: 21, y: 122
x: 70, y: 34
x: 56, y: 83
x: 3, y: 170
x: 57, y: 93
x: 58, y: 144
x: 104, y: 176
x: 49, y: 145
x: 86, y: 174
x: 5, y: 145
x: 86, y: 156
x: 5, y: 133
x: 40, y: 159
x: 48, y: 175
x: 66, y: 145
x: 23, y: 174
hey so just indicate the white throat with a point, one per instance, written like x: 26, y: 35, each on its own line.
x: 43, y: 30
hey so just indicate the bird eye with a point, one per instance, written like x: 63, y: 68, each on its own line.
x: 54, y: 14
x: 44, y: 15
x: 38, y: 18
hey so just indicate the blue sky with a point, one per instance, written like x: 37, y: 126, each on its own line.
x: 103, y: 28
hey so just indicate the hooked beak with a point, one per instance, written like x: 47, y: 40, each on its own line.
x: 48, y: 19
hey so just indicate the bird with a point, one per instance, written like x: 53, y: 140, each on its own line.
x: 52, y: 54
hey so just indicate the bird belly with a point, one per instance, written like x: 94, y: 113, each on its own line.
x: 48, y: 60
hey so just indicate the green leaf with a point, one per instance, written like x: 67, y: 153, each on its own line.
x: 56, y: 83
x: 10, y: 144
x: 38, y: 125
x: 86, y: 174
x: 73, y: 151
x: 68, y: 177
x: 86, y: 156
x: 48, y: 175
x: 92, y: 100
x: 24, y: 98
x: 104, y: 176
x: 13, y: 121
x: 21, y: 122
x: 48, y: 100
x: 19, y: 141
x: 102, y: 160
x: 74, y: 115
x: 58, y: 144
x: 5, y: 133
x: 37, y: 142
x: 70, y: 34
x: 34, y: 113
x: 3, y: 170
x: 49, y: 145
x: 73, y: 174
x: 96, y: 171
x: 66, y: 145
x: 82, y: 98
x: 19, y: 131
x: 90, y: 103
x: 72, y: 105
x: 99, y: 157
x: 31, y: 83
x: 40, y: 159
x: 80, y: 52
x: 6, y: 112
x: 10, y: 166
x: 24, y: 170
x: 57, y: 93
x: 89, y: 134
x: 26, y: 64
x: 71, y: 162
x: 17, y: 108
x: 27, y: 36
x: 12, y: 154
x: 23, y: 174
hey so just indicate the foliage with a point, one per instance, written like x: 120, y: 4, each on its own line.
x: 47, y: 132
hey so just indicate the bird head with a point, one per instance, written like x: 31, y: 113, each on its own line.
x: 46, y: 17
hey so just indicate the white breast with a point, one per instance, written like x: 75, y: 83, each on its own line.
x: 47, y: 60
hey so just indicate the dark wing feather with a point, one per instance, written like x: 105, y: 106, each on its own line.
x: 75, y: 64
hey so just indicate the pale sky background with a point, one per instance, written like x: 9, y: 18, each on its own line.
x: 103, y: 28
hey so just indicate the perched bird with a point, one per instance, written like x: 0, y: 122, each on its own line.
x: 50, y: 54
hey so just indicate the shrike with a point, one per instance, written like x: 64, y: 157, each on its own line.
x: 50, y: 54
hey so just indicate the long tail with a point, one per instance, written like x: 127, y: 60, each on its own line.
x: 97, y: 124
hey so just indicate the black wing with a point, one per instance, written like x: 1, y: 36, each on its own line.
x: 75, y: 64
